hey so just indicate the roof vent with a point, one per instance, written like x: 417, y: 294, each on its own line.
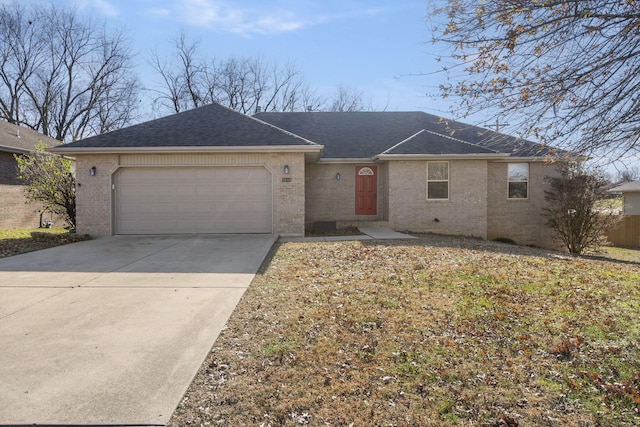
x: 258, y: 109
x: 18, y: 133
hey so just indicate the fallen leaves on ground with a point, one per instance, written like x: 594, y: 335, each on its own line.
x: 429, y: 332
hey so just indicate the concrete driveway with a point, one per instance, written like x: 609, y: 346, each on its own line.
x: 113, y: 330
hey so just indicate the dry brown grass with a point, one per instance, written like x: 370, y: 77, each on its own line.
x: 21, y: 240
x: 429, y: 332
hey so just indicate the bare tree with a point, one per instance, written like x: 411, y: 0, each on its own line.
x: 629, y: 174
x: 187, y: 82
x: 346, y: 99
x: 562, y: 70
x: 190, y: 80
x: 62, y: 75
x: 310, y: 100
x: 577, y: 210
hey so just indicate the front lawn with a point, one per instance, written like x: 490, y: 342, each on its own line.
x: 621, y: 254
x: 430, y: 332
x: 21, y: 240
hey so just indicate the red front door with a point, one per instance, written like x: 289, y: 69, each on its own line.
x: 366, y: 190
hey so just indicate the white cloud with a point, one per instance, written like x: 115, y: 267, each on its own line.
x: 103, y: 7
x: 106, y: 8
x: 203, y: 12
x: 160, y: 12
x: 249, y: 18
x: 280, y: 22
x: 273, y: 24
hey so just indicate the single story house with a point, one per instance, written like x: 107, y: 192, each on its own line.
x: 14, y: 210
x: 214, y: 170
x: 630, y: 197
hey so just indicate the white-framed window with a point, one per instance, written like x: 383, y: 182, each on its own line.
x: 518, y: 177
x: 437, y: 180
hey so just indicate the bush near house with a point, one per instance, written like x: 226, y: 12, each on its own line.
x: 50, y: 181
x: 579, y: 211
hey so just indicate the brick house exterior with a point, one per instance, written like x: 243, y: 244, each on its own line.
x: 15, y: 212
x: 191, y: 172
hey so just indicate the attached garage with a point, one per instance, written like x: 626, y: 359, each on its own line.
x: 206, y: 170
x: 173, y: 200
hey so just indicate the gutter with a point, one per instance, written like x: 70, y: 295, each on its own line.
x: 484, y: 156
x: 15, y: 150
x: 312, y: 152
x: 548, y: 159
x: 187, y: 149
x: 338, y: 160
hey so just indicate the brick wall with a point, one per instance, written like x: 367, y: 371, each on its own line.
x: 8, y: 169
x: 465, y: 213
x: 520, y: 220
x: 16, y: 213
x: 288, y: 193
x: 93, y: 193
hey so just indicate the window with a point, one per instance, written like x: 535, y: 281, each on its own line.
x: 437, y: 180
x: 518, y: 180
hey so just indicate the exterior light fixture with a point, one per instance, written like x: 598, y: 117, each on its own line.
x: 92, y: 171
x: 338, y: 176
x: 286, y: 169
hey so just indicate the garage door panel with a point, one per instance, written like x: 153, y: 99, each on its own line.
x: 193, y: 200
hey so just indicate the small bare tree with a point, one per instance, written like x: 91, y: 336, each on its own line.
x: 576, y: 208
x: 61, y: 75
x: 50, y: 180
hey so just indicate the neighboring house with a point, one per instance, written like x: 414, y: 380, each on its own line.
x: 14, y: 211
x: 213, y: 170
x: 630, y: 197
x: 627, y: 232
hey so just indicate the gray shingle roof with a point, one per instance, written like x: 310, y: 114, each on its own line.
x: 367, y: 134
x: 19, y: 139
x: 627, y: 187
x: 427, y: 142
x: 209, y: 126
x: 361, y: 135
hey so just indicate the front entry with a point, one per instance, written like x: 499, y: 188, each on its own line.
x: 366, y: 190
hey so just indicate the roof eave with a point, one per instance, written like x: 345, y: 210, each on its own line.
x: 629, y: 187
x: 188, y: 149
x: 547, y: 158
x: 335, y: 160
x: 15, y: 150
x: 479, y: 156
x: 618, y: 191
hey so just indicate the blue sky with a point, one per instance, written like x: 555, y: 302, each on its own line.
x: 376, y: 47
x: 380, y: 48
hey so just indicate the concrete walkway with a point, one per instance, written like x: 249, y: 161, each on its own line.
x: 370, y: 233
x: 383, y: 233
x: 112, y: 331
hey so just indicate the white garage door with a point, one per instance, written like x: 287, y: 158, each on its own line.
x: 193, y: 200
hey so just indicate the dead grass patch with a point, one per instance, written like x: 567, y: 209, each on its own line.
x: 429, y: 332
x: 18, y: 241
x: 620, y: 254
